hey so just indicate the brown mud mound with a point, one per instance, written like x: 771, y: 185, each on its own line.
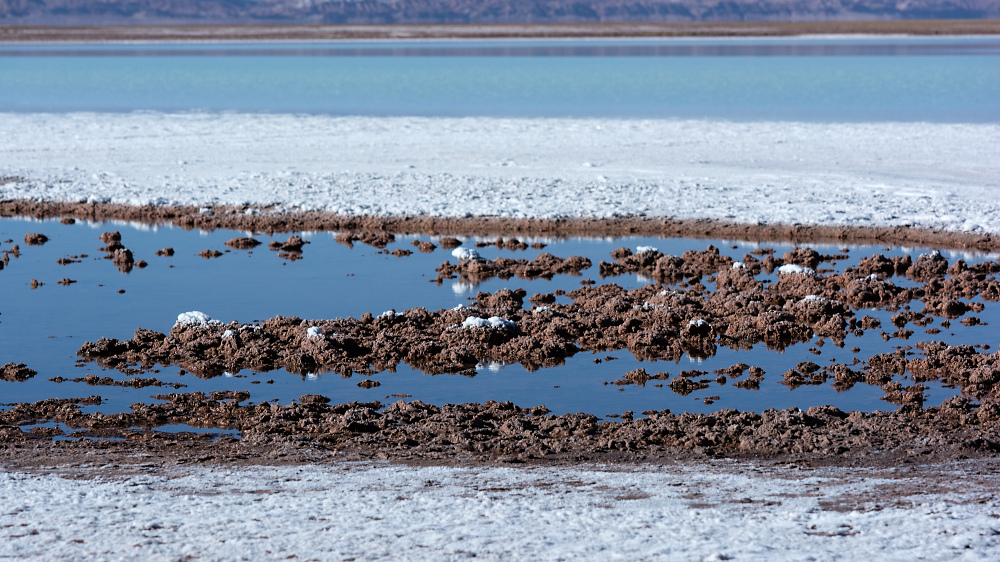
x: 504, y: 432
x: 650, y: 322
x: 34, y: 239
x: 94, y: 380
x: 544, y: 266
x: 271, y: 221
x: 16, y: 372
x: 375, y: 239
x: 244, y: 243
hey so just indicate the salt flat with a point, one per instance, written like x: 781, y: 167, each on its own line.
x: 857, y: 174
x: 715, y: 511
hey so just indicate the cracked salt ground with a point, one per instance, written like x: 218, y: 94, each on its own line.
x: 363, y: 511
x: 49, y: 324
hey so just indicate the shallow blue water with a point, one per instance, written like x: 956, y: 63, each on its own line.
x: 44, y: 327
x: 825, y: 80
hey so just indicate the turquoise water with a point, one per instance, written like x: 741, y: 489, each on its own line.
x: 871, y: 79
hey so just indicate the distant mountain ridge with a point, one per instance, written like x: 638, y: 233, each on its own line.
x: 138, y: 12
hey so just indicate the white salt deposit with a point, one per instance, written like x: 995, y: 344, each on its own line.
x: 862, y: 174
x: 644, y: 249
x: 739, y: 265
x: 227, y: 334
x: 697, y: 323
x: 538, y: 309
x: 494, y: 322
x: 195, y: 318
x: 465, y: 254
x: 792, y: 269
x: 314, y: 332
x: 704, y: 511
x: 813, y: 298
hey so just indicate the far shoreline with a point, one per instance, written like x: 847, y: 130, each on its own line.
x: 250, y: 218
x: 254, y: 32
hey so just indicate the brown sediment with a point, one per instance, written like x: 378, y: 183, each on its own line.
x: 313, y: 32
x: 35, y: 239
x: 503, y: 432
x: 424, y: 246
x: 94, y: 380
x: 16, y: 372
x: 165, y: 252
x: 244, y: 243
x: 544, y: 266
x: 269, y: 221
x: 650, y: 322
x: 375, y: 239
x: 512, y: 244
x: 209, y: 254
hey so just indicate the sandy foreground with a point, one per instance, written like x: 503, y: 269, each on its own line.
x: 886, y: 181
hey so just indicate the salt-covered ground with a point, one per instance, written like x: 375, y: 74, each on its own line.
x: 861, y: 174
x: 716, y: 511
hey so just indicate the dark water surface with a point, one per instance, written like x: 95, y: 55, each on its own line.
x: 44, y: 327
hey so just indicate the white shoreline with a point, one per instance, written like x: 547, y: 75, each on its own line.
x: 715, y: 510
x: 841, y: 174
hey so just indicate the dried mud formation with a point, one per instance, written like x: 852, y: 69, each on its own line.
x: 652, y: 322
x: 269, y: 220
x: 704, y: 301
x: 504, y: 432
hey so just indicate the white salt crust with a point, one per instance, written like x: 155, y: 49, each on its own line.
x: 710, y: 511
x: 858, y: 174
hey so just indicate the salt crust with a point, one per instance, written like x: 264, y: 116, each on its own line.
x: 196, y: 318
x: 856, y: 174
x: 465, y: 254
x: 494, y: 322
x: 702, y: 511
x: 792, y: 269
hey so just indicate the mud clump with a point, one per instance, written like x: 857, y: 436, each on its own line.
x: 424, y: 246
x: 34, y: 239
x: 123, y: 260
x: 244, y: 243
x: 510, y: 244
x: 111, y: 237
x: 293, y: 244
x: 928, y: 267
x: 16, y: 372
x: 543, y: 266
x: 165, y: 252
x: 94, y: 380
x: 640, y: 377
x: 449, y: 243
x: 374, y: 239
